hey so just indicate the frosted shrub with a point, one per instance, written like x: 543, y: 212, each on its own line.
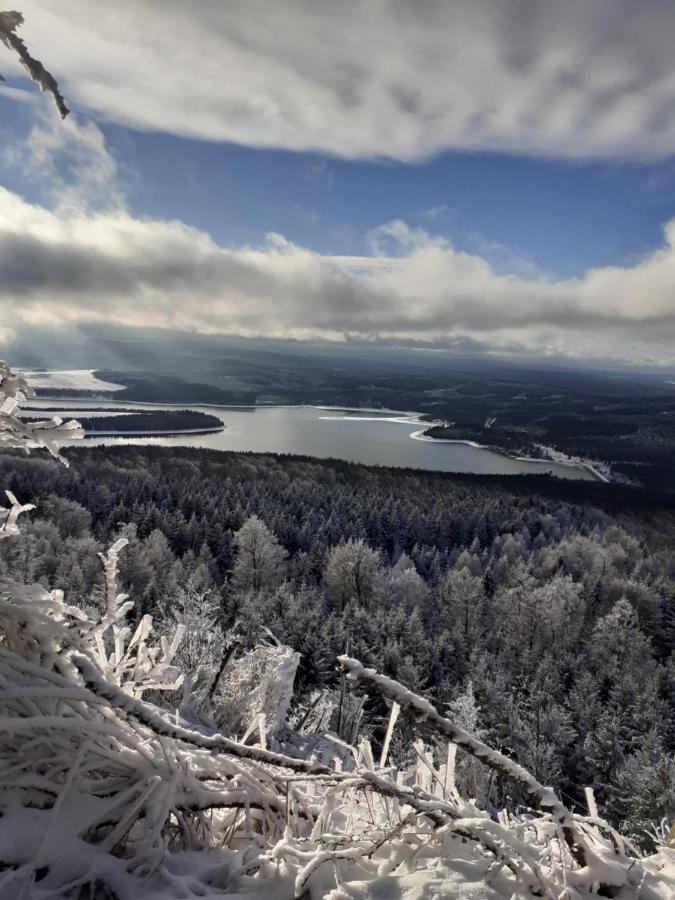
x: 255, y: 691
x: 195, y: 615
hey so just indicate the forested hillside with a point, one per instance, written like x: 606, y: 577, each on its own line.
x: 546, y: 625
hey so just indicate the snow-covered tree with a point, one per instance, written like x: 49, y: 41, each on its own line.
x: 260, y: 559
x: 353, y: 572
x: 197, y: 614
x: 404, y: 586
x: 642, y: 792
x: 461, y: 595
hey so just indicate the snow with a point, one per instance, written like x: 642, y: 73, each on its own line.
x: 601, y: 470
x: 69, y: 379
x: 422, y: 436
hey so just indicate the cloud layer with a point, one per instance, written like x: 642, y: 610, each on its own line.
x: 362, y: 78
x: 64, y: 267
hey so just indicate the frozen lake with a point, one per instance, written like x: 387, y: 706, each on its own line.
x: 369, y: 437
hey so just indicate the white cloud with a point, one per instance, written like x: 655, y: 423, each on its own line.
x: 12, y: 93
x: 70, y: 158
x: 390, y: 238
x: 394, y: 78
x: 66, y: 267
x: 434, y: 213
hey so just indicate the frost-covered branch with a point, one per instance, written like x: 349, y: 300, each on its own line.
x: 541, y: 797
x: 8, y: 517
x: 15, y: 433
x: 124, y: 654
x: 9, y: 22
x: 152, y: 719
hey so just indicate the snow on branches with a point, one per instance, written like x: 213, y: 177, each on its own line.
x: 28, y: 435
x: 9, y: 22
x: 102, y: 791
x: 123, y: 654
x: 9, y: 517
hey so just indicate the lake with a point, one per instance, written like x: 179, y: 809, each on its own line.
x: 368, y: 437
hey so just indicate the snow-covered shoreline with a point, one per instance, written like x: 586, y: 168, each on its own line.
x: 422, y: 436
x: 569, y: 463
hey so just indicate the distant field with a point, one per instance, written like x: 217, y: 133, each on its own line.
x: 69, y: 380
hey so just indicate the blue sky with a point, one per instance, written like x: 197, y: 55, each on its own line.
x: 479, y: 176
x: 561, y: 216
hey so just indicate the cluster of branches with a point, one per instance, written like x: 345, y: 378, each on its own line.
x: 48, y: 434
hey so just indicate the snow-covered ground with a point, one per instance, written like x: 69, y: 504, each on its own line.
x: 69, y: 379
x: 403, y: 419
x: 423, y: 436
x: 602, y: 470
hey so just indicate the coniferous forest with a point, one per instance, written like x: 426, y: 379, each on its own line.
x: 546, y: 622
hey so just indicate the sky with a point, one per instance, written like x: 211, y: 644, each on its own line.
x: 474, y: 176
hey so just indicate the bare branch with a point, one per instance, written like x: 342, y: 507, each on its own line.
x: 9, y: 22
